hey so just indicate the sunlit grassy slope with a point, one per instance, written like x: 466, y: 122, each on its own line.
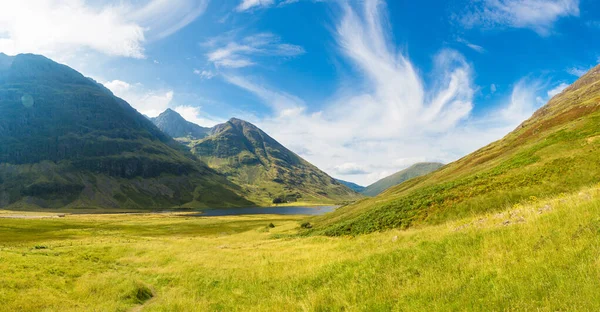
x: 557, y: 150
x: 536, y: 256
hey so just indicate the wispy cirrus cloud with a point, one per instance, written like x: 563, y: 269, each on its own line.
x: 242, y: 53
x: 472, y: 46
x: 557, y: 90
x: 524, y: 100
x: 249, y: 5
x: 205, y: 74
x: 282, y: 103
x: 162, y: 18
x: 391, y: 118
x: 537, y: 15
x: 579, y: 71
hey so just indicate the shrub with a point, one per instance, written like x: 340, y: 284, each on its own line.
x: 306, y: 225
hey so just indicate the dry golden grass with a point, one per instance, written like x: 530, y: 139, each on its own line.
x: 542, y: 255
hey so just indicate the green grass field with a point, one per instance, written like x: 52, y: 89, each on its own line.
x: 538, y: 255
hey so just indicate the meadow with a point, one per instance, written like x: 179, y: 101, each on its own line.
x: 541, y: 255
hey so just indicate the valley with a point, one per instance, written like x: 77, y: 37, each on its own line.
x: 536, y: 253
x: 286, y: 155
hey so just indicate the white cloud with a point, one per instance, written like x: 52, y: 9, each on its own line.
x: 537, y: 15
x: 153, y: 102
x: 62, y: 29
x: 558, y: 89
x: 249, y: 4
x: 578, y: 71
x: 237, y: 55
x: 51, y: 26
x: 195, y: 115
x: 205, y: 74
x: 162, y: 18
x: 393, y: 118
x: 524, y: 100
x: 350, y: 169
x: 493, y: 88
x: 282, y: 103
x: 148, y: 102
x: 472, y: 46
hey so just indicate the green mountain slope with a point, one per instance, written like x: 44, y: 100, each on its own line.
x: 171, y: 123
x: 557, y: 150
x: 353, y: 186
x: 66, y: 141
x: 413, y: 171
x: 267, y: 171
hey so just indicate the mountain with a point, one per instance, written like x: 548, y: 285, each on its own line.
x: 266, y: 170
x: 171, y: 123
x: 555, y: 151
x: 67, y: 141
x: 353, y: 186
x: 413, y: 171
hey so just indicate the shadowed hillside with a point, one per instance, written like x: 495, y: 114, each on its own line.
x: 66, y: 141
x: 557, y: 150
x: 353, y: 186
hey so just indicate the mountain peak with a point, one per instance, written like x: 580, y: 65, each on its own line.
x: 173, y: 124
x: 237, y: 121
x: 169, y: 113
x: 251, y: 158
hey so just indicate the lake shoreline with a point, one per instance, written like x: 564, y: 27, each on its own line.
x: 195, y: 212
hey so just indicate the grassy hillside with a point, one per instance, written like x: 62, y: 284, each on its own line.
x: 557, y: 150
x: 267, y: 171
x: 539, y: 256
x: 413, y: 171
x: 66, y: 141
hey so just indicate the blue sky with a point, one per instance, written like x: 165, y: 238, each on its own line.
x: 361, y: 89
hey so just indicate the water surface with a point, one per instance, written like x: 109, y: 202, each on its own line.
x: 298, y: 210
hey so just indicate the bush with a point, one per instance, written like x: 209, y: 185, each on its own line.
x: 306, y: 225
x: 278, y: 200
x: 271, y: 225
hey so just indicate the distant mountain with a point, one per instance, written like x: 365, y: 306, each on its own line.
x: 266, y: 170
x: 67, y: 141
x: 171, y: 123
x: 413, y: 171
x: 353, y: 186
x: 555, y: 151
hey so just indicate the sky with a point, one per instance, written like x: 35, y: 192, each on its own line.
x: 360, y: 88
